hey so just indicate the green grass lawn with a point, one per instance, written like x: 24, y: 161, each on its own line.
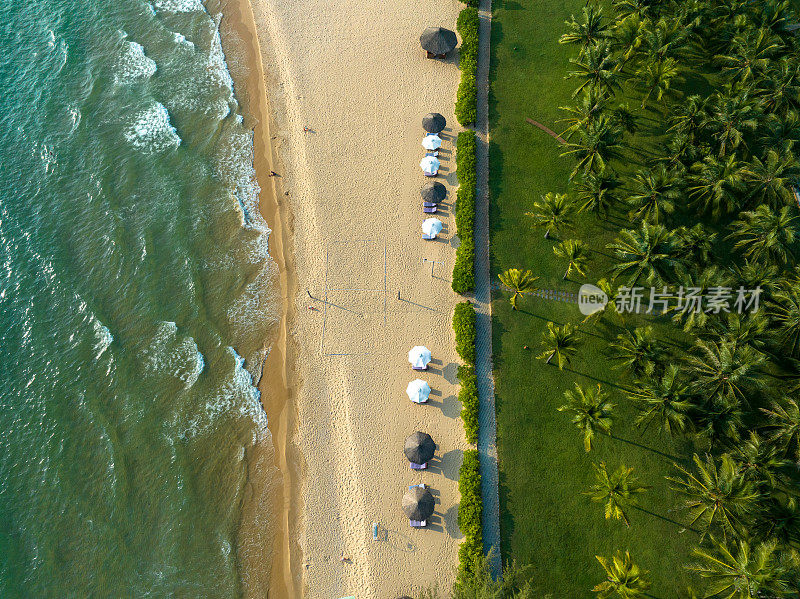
x: 546, y: 520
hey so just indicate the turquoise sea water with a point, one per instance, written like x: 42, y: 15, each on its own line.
x: 135, y: 296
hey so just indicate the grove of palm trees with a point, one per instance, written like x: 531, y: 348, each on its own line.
x: 649, y: 454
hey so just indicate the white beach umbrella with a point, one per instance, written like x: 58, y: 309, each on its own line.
x: 419, y: 356
x: 430, y: 164
x: 418, y: 391
x: 431, y: 142
x: 432, y: 227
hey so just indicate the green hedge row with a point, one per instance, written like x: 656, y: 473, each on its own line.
x: 472, y: 3
x: 464, y: 327
x: 467, y: 95
x: 464, y: 269
x: 468, y: 396
x: 470, y: 512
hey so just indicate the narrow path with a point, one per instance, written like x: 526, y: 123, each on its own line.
x: 483, y: 296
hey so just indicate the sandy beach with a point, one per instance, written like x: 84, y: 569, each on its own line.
x: 346, y: 213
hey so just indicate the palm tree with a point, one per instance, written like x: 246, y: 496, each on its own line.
x: 750, y: 55
x: 560, y: 342
x: 664, y: 40
x: 591, y: 107
x: 596, y: 192
x: 587, y: 32
x: 666, y: 399
x: 519, y: 281
x: 576, y: 253
x: 716, y: 496
x: 554, y: 212
x: 627, y: 36
x: 752, y: 276
x: 591, y: 411
x: 780, y: 519
x: 731, y: 117
x: 699, y: 281
x: 596, y: 67
x: 717, y: 185
x: 638, y: 349
x: 779, y: 89
x: 721, y: 369
x: 782, y: 134
x: 764, y: 235
x: 653, y: 193
x: 628, y: 8
x: 721, y: 420
x: 651, y: 253
x: 655, y: 78
x: 749, y: 573
x: 617, y: 490
x: 759, y: 462
x: 771, y: 181
x: 599, y: 143
x: 783, y: 427
x: 697, y: 244
x: 689, y: 116
x: 624, y: 579
x: 784, y: 311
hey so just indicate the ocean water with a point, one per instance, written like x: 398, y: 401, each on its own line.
x: 136, y: 295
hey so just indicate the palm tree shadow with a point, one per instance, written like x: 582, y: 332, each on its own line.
x: 665, y: 519
x: 594, y: 378
x: 673, y: 458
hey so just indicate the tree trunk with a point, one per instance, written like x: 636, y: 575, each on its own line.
x: 550, y: 358
x: 547, y: 234
x: 565, y: 275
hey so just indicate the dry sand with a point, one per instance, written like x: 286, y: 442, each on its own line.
x: 354, y: 74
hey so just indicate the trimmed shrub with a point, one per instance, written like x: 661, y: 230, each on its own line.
x: 464, y: 327
x: 470, y: 512
x: 467, y: 94
x: 468, y: 396
x: 466, y: 170
x: 472, y: 3
x: 464, y: 268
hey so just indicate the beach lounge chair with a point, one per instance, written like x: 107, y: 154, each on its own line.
x: 431, y: 174
x: 420, y: 485
x: 374, y: 531
x: 429, y: 204
x: 419, y: 367
x: 426, y: 237
x: 414, y: 466
x: 429, y: 209
x: 418, y: 523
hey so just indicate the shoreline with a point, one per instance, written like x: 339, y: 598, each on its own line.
x: 277, y: 392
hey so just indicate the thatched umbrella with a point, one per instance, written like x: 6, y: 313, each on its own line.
x: 419, y: 448
x: 418, y: 503
x: 438, y: 41
x: 434, y: 122
x: 433, y: 192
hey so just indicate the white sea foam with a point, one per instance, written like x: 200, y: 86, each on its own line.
x: 173, y: 355
x: 103, y: 338
x: 216, y: 61
x: 151, y: 130
x: 75, y: 115
x: 178, y: 5
x: 133, y: 65
x: 181, y: 40
x: 236, y: 397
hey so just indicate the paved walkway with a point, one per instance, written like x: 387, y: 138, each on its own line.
x: 483, y: 296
